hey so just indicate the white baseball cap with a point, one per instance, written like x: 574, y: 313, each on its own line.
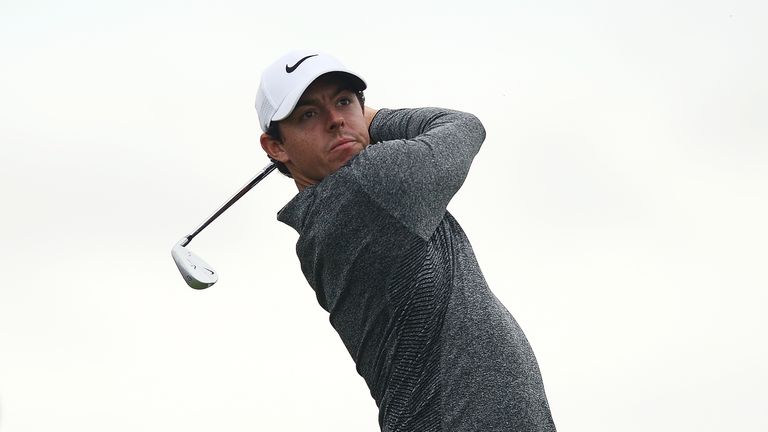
x: 285, y: 80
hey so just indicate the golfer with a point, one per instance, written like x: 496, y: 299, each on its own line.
x: 393, y: 268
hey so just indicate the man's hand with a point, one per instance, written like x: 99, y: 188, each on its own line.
x: 369, y: 113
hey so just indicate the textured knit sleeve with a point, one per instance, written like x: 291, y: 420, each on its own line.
x: 420, y: 160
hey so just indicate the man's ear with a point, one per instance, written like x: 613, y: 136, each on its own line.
x: 273, y: 148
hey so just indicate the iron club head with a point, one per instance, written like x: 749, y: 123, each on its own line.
x: 196, y: 272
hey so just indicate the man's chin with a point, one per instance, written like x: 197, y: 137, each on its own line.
x: 345, y: 152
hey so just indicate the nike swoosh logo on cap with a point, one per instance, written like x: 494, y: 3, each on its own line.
x: 290, y: 69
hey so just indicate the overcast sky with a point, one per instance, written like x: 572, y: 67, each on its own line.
x: 617, y: 207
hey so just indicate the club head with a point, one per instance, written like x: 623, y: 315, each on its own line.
x: 196, y: 272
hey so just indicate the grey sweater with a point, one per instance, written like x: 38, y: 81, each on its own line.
x: 398, y: 276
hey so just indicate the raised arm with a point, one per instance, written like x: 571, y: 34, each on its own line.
x: 420, y: 160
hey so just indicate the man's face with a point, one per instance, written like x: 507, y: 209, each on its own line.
x: 325, y: 130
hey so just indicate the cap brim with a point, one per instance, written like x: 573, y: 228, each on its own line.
x: 291, y: 99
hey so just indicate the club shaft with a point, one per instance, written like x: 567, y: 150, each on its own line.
x: 254, y: 181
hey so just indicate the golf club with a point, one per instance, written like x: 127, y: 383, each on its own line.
x: 196, y: 272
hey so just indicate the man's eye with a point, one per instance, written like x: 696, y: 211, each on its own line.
x: 345, y: 101
x: 308, y: 114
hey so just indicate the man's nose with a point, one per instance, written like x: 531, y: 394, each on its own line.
x: 336, y: 120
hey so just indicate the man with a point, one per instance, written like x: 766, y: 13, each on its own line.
x: 393, y: 268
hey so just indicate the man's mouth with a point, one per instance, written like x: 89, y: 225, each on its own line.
x: 341, y: 142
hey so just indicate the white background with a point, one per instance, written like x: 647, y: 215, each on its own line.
x: 617, y: 207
